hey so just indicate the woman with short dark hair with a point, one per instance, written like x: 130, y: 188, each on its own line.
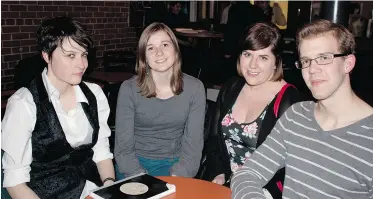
x: 55, y: 131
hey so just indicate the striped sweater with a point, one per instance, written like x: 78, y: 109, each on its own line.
x: 319, y: 164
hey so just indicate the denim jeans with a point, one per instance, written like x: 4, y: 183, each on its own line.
x: 153, y: 167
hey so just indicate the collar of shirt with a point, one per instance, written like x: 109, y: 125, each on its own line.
x: 53, y: 91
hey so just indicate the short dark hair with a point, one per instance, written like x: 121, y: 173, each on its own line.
x: 51, y: 33
x: 259, y: 36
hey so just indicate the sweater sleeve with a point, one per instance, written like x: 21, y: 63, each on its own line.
x: 192, y: 139
x: 247, y: 182
x: 124, y: 149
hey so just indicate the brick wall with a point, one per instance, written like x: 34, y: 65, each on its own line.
x: 108, y: 21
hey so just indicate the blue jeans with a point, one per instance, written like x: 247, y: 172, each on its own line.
x: 153, y: 167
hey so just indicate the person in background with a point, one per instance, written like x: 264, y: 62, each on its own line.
x: 176, y: 18
x: 55, y: 131
x: 240, y: 16
x: 160, y: 112
x: 248, y: 106
x: 224, y: 14
x: 274, y: 15
x: 357, y: 24
x: 325, y: 146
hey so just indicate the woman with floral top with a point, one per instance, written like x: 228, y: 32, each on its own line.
x: 249, y: 106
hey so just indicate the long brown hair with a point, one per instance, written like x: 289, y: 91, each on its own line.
x: 144, y: 78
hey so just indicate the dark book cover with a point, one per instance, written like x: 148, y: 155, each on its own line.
x: 142, y: 186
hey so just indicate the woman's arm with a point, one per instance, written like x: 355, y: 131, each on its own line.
x: 106, y: 170
x: 124, y: 149
x: 102, y: 155
x: 21, y: 191
x: 192, y: 139
x: 17, y: 126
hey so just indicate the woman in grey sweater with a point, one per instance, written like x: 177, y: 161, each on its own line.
x: 160, y: 112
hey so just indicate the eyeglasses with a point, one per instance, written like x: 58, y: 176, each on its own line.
x: 324, y: 59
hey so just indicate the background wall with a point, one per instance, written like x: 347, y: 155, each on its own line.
x: 108, y: 21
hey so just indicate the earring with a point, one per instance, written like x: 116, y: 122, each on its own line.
x: 147, y: 69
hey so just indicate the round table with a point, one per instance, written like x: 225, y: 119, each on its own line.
x: 187, y: 188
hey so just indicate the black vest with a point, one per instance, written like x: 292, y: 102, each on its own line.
x: 57, y: 169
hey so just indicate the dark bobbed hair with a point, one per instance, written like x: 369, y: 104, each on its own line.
x: 259, y: 36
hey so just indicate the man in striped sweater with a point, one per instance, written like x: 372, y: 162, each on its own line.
x: 327, y: 146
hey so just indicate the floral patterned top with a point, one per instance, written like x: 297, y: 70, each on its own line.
x: 240, y: 139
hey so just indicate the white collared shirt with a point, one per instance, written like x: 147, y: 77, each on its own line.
x: 19, y: 121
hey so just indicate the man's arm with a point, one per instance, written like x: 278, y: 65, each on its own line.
x: 248, y: 181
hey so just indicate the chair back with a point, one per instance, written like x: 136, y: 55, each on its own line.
x: 27, y: 69
x: 209, y: 116
x: 119, y: 61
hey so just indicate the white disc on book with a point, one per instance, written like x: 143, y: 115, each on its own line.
x: 134, y: 188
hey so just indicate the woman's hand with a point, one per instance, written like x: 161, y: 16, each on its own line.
x: 108, y: 182
x: 219, y: 179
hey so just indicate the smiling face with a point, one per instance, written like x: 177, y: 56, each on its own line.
x: 160, y: 52
x: 67, y: 64
x: 325, y: 80
x: 257, y: 67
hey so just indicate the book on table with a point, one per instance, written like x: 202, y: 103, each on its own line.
x: 141, y: 186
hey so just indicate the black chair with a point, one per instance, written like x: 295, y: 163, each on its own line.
x: 27, y: 69
x: 119, y: 61
x: 209, y: 115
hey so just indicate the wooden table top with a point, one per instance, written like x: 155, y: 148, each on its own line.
x: 187, y: 188
x: 109, y: 77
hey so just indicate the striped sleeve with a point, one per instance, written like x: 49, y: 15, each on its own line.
x: 247, y: 182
